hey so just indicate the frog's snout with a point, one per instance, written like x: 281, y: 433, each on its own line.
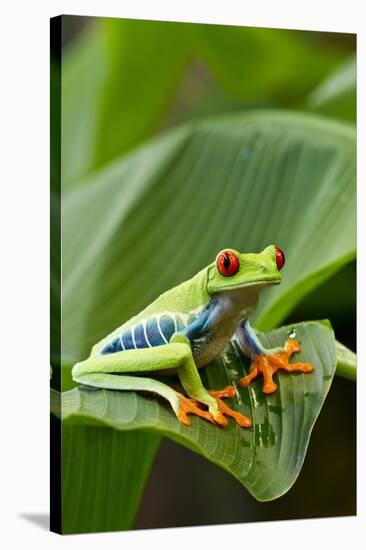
x: 268, y: 271
x: 263, y: 268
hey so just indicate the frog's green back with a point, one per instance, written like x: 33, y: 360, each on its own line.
x: 187, y: 297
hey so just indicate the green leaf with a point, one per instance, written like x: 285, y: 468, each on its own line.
x: 121, y: 80
x: 84, y: 73
x: 104, y: 474
x: 155, y: 218
x: 146, y: 60
x: 346, y: 362
x: 259, y: 63
x: 336, y: 96
x: 118, y: 78
x: 266, y: 458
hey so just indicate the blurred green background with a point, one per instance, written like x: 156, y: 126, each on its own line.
x: 125, y: 82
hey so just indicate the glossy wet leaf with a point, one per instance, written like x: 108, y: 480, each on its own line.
x: 266, y: 458
x: 155, y: 218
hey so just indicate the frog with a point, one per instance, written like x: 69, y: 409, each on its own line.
x: 185, y: 329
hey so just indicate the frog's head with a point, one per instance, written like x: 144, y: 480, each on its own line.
x: 233, y: 270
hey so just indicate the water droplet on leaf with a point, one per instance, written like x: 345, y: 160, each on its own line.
x: 292, y: 332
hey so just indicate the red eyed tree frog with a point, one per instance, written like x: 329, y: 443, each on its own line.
x: 186, y: 328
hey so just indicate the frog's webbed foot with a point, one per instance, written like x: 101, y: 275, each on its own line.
x: 229, y: 391
x: 192, y: 406
x: 268, y: 365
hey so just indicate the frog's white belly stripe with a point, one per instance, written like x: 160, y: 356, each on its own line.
x: 133, y: 337
x: 161, y: 332
x: 146, y: 335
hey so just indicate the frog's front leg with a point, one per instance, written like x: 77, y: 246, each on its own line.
x: 191, y: 382
x: 116, y: 371
x: 267, y: 361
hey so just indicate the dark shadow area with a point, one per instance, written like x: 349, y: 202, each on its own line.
x: 41, y: 520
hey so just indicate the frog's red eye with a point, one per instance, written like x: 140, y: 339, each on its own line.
x: 227, y: 263
x: 280, y: 258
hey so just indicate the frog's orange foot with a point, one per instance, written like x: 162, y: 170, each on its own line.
x: 241, y: 419
x: 230, y: 392
x: 191, y: 406
x: 268, y: 365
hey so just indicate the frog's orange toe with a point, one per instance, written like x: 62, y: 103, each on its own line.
x: 191, y: 406
x: 246, y: 380
x: 220, y: 419
x: 268, y: 365
x: 291, y: 346
x: 183, y: 418
x: 229, y: 391
x: 304, y: 367
x: 270, y: 387
x: 241, y: 419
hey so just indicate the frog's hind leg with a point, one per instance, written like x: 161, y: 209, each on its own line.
x: 130, y: 383
x: 180, y: 404
x: 116, y: 371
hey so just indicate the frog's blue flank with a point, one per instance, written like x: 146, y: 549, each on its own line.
x: 148, y: 333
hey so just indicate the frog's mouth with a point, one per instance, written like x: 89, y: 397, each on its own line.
x: 252, y: 286
x: 259, y: 282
